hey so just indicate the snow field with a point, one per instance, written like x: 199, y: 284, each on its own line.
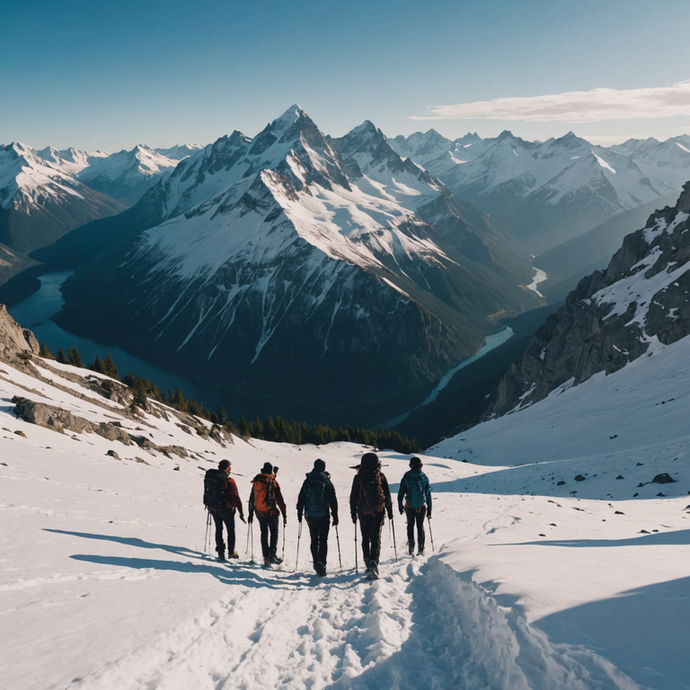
x: 103, y: 582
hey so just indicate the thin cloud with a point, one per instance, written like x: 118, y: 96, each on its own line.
x: 574, y: 106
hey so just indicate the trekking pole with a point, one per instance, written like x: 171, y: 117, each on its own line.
x: 356, y: 564
x: 431, y: 534
x: 206, y: 536
x: 246, y: 548
x: 299, y: 536
x: 284, y: 528
x: 337, y: 538
x: 251, y: 530
x: 395, y: 548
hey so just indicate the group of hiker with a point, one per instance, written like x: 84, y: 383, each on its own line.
x: 370, y: 503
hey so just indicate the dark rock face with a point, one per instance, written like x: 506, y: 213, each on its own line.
x: 613, y: 316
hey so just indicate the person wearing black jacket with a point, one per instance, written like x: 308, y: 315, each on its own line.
x: 316, y: 499
x: 370, y: 500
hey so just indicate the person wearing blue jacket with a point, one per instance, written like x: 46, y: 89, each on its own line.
x: 415, y: 493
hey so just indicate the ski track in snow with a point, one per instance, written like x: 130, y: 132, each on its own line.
x: 422, y: 625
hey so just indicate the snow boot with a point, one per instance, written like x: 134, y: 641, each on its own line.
x: 373, y: 570
x: 234, y: 554
x: 276, y: 560
x: 267, y: 562
x: 420, y: 552
x: 410, y: 548
x: 320, y: 569
x: 221, y: 557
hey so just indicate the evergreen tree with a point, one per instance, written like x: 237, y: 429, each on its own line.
x: 110, y: 368
x: 74, y: 357
x: 45, y: 352
x: 222, y: 415
x: 270, y: 431
x: 243, y: 427
x: 62, y: 357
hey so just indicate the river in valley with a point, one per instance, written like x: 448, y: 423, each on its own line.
x: 35, y: 311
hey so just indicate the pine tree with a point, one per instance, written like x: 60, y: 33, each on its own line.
x: 45, y: 352
x: 243, y: 427
x: 110, y: 368
x: 62, y: 357
x: 74, y: 357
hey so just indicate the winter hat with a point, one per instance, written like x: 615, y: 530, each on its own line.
x: 415, y: 463
x: 319, y: 465
x: 267, y: 468
x: 223, y: 464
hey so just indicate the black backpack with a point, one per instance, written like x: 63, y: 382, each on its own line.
x: 215, y: 482
x: 372, y: 498
x: 315, y: 496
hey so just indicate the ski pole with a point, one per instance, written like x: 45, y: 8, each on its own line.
x: 251, y: 530
x: 395, y: 548
x: 337, y: 538
x: 246, y: 548
x: 299, y: 536
x: 431, y: 534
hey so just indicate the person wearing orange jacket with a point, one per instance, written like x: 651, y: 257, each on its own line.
x: 265, y: 500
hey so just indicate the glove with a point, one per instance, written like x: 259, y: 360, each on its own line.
x: 354, y: 518
x: 390, y: 514
x: 242, y: 518
x: 402, y: 510
x: 285, y: 519
x: 428, y: 516
x: 299, y: 517
x: 250, y: 519
x: 335, y: 521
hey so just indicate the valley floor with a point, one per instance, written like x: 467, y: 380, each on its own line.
x: 104, y: 583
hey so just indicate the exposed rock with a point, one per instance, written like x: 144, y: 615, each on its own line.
x: 113, y: 454
x: 15, y: 340
x: 580, y: 478
x: 592, y: 332
x: 60, y: 420
x: 664, y: 478
x: 19, y: 432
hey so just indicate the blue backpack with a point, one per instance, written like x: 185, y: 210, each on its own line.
x: 315, y: 498
x: 416, y: 494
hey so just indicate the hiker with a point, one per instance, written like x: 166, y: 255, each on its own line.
x: 415, y: 486
x: 222, y: 499
x: 370, y: 499
x: 315, y: 499
x: 265, y: 500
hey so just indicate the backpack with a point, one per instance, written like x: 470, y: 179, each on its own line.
x: 416, y: 495
x: 372, y: 498
x: 215, y: 482
x: 264, y: 494
x: 315, y: 496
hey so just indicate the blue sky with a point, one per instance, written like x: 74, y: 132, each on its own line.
x: 113, y: 74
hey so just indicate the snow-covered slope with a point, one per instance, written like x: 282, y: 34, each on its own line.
x: 104, y: 582
x: 40, y: 202
x: 126, y: 175
x: 301, y: 260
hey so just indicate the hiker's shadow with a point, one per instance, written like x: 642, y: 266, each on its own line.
x: 234, y: 572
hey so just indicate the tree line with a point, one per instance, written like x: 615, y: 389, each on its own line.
x: 270, y: 429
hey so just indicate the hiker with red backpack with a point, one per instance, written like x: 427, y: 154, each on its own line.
x: 222, y: 499
x: 370, y: 500
x: 265, y: 499
x: 316, y: 498
x: 415, y: 486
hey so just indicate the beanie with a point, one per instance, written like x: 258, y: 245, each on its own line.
x: 267, y: 468
x: 320, y: 465
x: 415, y: 463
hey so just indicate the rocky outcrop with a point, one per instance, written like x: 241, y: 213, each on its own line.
x: 60, y: 420
x: 613, y: 316
x: 15, y: 342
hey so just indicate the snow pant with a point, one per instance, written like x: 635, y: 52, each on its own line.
x: 371, y: 535
x: 318, y: 532
x: 227, y: 518
x: 268, y: 524
x: 415, y: 516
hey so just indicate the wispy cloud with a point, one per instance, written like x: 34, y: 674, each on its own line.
x: 574, y: 106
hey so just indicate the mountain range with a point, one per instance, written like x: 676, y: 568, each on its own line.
x: 282, y: 268
x: 547, y: 193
